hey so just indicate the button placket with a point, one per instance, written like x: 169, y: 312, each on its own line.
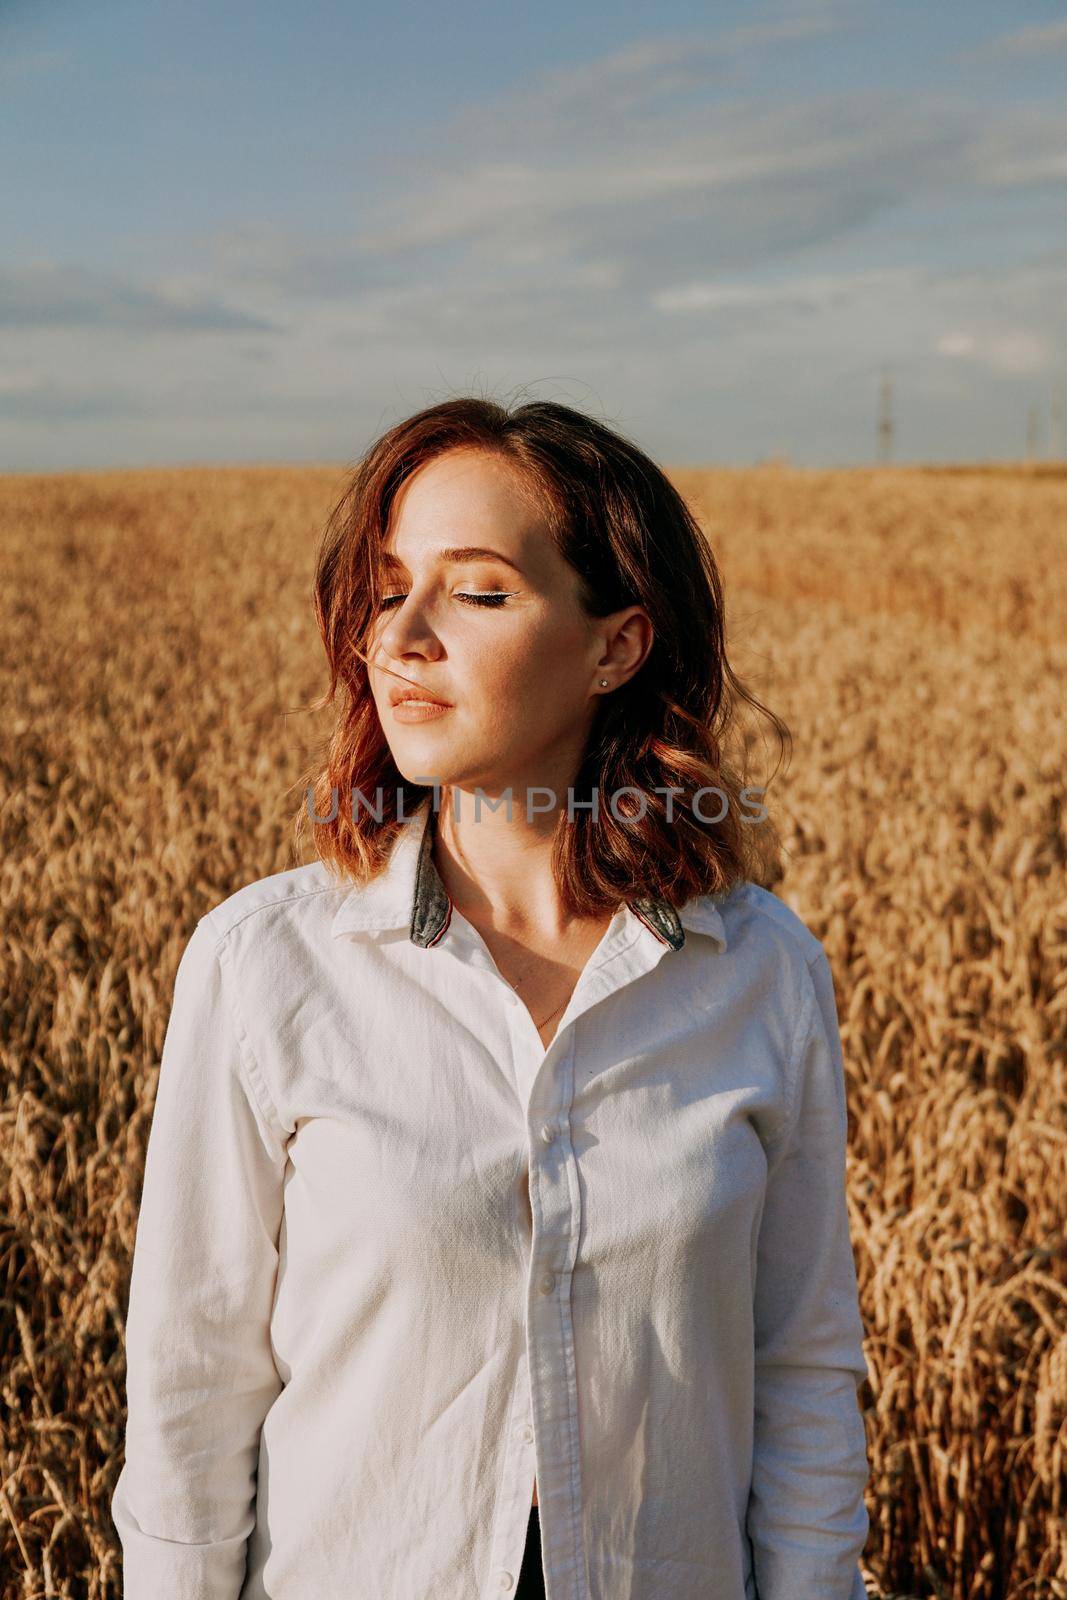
x: 555, y: 1206
x: 516, y: 1485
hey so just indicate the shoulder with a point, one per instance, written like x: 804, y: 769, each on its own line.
x: 300, y: 899
x: 773, y: 946
x: 761, y: 914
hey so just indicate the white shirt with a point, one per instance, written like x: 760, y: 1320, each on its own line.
x: 394, y: 1259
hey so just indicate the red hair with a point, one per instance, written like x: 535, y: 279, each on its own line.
x: 620, y: 523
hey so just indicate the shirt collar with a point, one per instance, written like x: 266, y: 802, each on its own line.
x: 409, y: 893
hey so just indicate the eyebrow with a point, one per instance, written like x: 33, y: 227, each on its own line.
x: 462, y: 552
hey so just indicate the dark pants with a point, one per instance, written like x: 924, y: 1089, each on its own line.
x: 531, y: 1585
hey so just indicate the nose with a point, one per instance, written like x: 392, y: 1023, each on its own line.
x: 405, y: 631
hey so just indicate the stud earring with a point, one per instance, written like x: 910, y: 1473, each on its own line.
x: 603, y: 683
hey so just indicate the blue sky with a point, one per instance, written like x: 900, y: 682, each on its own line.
x: 236, y: 232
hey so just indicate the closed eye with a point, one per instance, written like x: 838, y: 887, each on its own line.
x: 494, y: 597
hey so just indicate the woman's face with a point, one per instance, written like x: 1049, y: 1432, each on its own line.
x: 497, y: 633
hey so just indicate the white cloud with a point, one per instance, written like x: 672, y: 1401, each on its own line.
x: 608, y: 161
x: 1035, y: 40
x: 1034, y: 166
x: 1013, y: 351
x: 579, y: 163
x: 955, y: 344
x: 660, y: 67
x: 51, y: 295
x: 818, y: 292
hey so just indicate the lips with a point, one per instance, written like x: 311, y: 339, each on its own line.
x: 398, y: 696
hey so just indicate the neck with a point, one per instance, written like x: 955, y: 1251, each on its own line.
x: 497, y: 865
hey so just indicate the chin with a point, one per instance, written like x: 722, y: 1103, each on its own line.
x: 423, y: 761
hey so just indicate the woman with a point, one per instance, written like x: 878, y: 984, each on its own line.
x: 493, y: 1228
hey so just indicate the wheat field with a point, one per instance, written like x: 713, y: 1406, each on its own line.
x: 158, y: 651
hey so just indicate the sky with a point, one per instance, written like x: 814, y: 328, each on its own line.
x: 235, y: 232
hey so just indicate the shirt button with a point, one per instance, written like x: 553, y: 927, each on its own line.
x: 548, y: 1282
x: 525, y: 1433
x: 548, y: 1134
x: 504, y: 1581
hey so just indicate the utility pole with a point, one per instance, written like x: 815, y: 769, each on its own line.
x: 885, y: 418
x: 1032, y: 428
x: 1057, y: 443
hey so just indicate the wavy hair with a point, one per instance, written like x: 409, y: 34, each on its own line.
x: 671, y: 728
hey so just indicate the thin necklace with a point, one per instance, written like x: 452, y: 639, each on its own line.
x: 551, y: 1014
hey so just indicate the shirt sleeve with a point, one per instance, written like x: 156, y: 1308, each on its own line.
x: 200, y: 1374
x: 806, y: 1516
